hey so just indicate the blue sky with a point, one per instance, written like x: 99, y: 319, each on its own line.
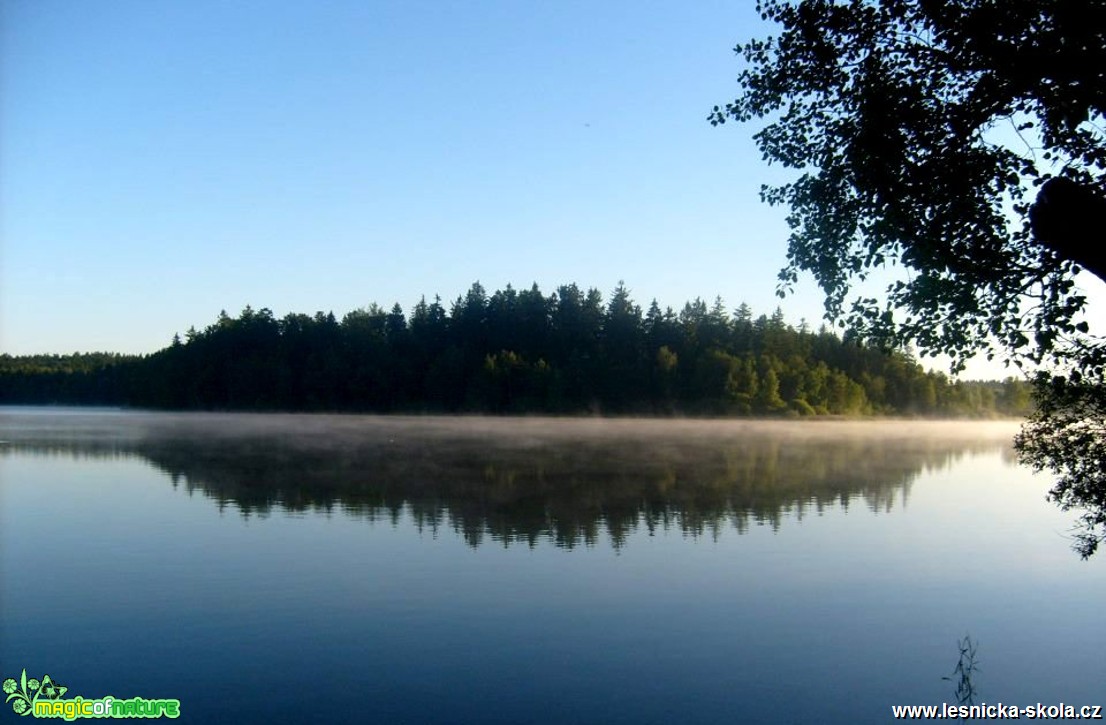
x: 161, y: 161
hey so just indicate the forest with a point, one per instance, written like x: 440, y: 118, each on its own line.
x: 514, y: 351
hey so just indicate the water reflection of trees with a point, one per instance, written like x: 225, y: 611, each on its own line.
x: 524, y: 484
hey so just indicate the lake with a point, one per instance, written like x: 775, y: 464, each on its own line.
x: 314, y: 568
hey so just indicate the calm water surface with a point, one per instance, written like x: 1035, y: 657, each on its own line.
x: 266, y: 568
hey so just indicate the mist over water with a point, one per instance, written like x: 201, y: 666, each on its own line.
x: 436, y: 569
x: 81, y: 424
x: 523, y: 479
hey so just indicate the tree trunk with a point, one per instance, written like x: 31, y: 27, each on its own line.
x: 1069, y: 219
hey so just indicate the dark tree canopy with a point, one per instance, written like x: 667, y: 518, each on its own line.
x: 963, y: 142
x: 921, y: 132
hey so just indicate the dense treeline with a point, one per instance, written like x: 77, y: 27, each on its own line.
x: 78, y: 379
x: 511, y: 352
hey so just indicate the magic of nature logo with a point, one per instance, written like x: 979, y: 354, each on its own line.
x: 46, y: 698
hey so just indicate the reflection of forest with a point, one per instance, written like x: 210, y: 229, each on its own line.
x: 524, y: 481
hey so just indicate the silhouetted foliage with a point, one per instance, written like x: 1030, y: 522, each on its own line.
x: 512, y: 352
x: 894, y: 112
x: 962, y: 140
x: 1068, y: 437
x: 966, y: 667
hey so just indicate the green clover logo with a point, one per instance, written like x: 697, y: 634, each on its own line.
x: 50, y: 690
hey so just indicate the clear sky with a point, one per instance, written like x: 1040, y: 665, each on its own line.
x: 161, y: 161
